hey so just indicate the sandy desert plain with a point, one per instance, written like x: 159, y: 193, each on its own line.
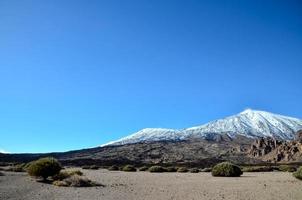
x: 157, y: 186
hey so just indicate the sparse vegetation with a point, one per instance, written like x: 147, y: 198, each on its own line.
x: 94, y: 167
x: 206, y: 169
x: 66, y: 174
x: 17, y: 168
x: 182, y: 170
x: 75, y: 181
x: 171, y: 169
x: 113, y: 168
x: 129, y: 168
x: 157, y: 169
x: 144, y: 168
x: 226, y: 169
x: 194, y: 170
x: 298, y: 174
x: 44, y: 168
x: 60, y: 183
x: 287, y: 168
x: 259, y: 168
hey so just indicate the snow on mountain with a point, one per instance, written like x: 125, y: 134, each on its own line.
x: 249, y: 123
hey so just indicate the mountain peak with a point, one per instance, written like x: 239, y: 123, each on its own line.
x: 251, y: 111
x: 247, y: 111
x: 249, y: 123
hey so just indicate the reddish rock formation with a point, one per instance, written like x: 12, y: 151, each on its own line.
x: 273, y: 150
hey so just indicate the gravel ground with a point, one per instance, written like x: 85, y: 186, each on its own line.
x: 160, y: 186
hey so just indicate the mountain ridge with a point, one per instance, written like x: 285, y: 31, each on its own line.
x: 249, y: 123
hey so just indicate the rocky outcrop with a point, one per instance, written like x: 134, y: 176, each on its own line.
x: 273, y: 150
x: 263, y: 146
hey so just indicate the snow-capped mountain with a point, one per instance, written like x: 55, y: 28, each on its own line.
x: 249, y: 123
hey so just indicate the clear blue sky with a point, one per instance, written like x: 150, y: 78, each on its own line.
x: 76, y: 74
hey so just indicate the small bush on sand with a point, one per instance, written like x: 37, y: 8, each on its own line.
x: 95, y: 167
x: 171, y: 169
x: 17, y: 168
x: 194, y: 170
x: 287, y: 168
x: 44, y: 168
x: 226, y: 169
x: 66, y: 173
x: 113, y: 168
x: 258, y: 169
x: 60, y: 183
x: 129, y: 168
x: 157, y: 169
x: 75, y: 181
x: 182, y: 170
x: 298, y: 174
x: 144, y: 168
x: 208, y: 169
x: 78, y: 181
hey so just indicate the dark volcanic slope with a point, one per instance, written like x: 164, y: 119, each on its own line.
x: 189, y: 152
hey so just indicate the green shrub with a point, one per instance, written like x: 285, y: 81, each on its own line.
x: 182, y: 170
x: 171, y: 169
x: 298, y: 173
x: 208, y: 169
x: 194, y: 170
x: 129, y: 168
x: 44, y: 168
x: 258, y: 169
x: 287, y: 168
x: 144, y: 168
x: 226, y: 169
x: 113, y: 168
x: 157, y: 168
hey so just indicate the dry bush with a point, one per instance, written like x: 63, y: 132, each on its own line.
x: 143, y: 168
x: 182, y: 170
x: 194, y: 170
x: 208, y: 169
x: 157, y: 169
x: 171, y: 169
x: 79, y: 181
x: 129, y: 168
x: 287, y: 168
x: 17, y: 168
x: 113, y: 168
x: 259, y: 169
x: 66, y: 173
